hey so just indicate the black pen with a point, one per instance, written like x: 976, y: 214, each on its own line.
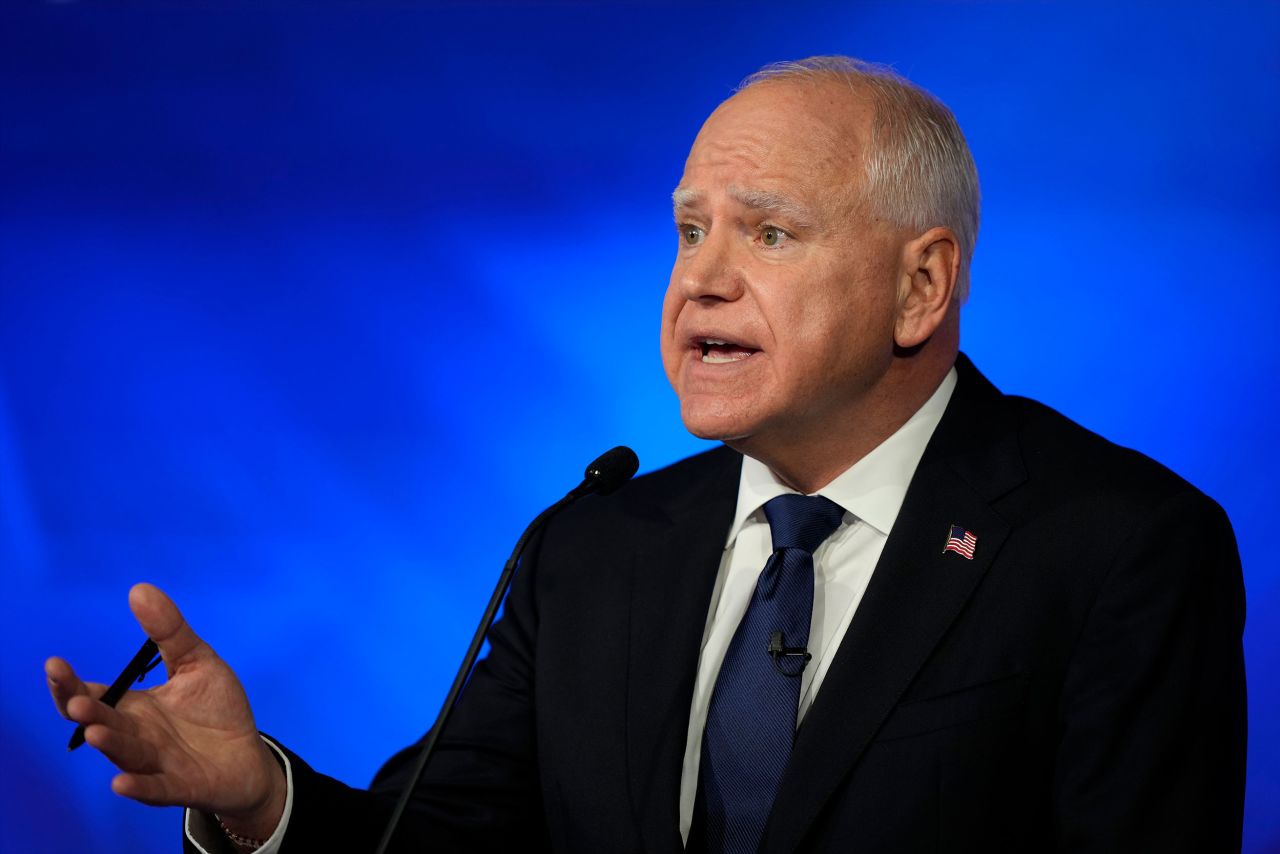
x: 141, y: 664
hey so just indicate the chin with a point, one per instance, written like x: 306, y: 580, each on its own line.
x: 718, y: 426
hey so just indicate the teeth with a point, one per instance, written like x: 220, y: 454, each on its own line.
x: 716, y: 357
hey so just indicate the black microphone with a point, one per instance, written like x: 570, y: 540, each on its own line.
x: 778, y: 650
x: 604, y: 475
x: 607, y: 472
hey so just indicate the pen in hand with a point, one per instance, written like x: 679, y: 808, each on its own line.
x: 139, y: 666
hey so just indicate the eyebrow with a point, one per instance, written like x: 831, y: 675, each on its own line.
x: 683, y: 197
x: 754, y: 199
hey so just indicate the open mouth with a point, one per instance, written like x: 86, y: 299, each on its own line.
x: 716, y: 351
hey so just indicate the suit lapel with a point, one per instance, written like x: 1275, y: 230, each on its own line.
x: 914, y: 595
x: 673, y: 577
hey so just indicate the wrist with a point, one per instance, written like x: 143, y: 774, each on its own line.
x: 241, y: 843
x: 250, y: 828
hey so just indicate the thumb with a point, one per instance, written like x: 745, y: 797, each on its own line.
x: 164, y: 624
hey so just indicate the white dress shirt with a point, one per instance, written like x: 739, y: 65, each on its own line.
x: 871, y: 493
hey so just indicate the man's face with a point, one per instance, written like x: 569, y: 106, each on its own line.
x: 779, y: 319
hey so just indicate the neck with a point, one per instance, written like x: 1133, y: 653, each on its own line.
x: 806, y: 463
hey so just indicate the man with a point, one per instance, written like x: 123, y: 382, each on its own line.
x: 981, y: 627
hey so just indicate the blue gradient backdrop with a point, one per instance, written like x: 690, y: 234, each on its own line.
x: 305, y: 310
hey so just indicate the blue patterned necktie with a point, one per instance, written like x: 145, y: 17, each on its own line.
x: 751, y: 722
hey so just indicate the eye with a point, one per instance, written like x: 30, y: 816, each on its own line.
x: 691, y: 235
x: 772, y: 236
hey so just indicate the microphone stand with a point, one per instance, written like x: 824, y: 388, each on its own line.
x: 605, y: 474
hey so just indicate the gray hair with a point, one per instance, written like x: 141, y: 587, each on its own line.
x: 918, y: 169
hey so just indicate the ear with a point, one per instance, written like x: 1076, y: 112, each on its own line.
x: 928, y: 282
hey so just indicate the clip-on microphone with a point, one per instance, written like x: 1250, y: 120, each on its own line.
x: 777, y: 652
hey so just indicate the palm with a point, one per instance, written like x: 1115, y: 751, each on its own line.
x: 190, y: 741
x: 202, y: 729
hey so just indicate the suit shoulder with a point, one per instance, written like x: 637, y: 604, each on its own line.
x: 659, y: 490
x: 599, y: 530
x: 659, y: 495
x: 1065, y: 456
x: 1089, y: 512
x: 660, y: 484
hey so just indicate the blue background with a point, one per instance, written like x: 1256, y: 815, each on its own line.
x: 306, y: 309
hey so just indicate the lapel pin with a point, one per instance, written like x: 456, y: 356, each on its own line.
x: 961, y: 542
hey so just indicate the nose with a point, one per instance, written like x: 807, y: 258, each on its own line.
x: 709, y: 272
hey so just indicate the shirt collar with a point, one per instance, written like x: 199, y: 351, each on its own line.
x: 872, y: 489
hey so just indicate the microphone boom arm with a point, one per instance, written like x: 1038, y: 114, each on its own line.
x: 605, y: 474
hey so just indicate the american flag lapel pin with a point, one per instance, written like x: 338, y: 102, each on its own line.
x: 961, y: 542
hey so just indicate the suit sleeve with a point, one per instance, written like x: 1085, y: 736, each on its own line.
x: 1153, y: 716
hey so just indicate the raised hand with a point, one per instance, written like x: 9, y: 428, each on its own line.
x: 189, y: 742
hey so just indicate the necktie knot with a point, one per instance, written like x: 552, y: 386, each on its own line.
x: 802, y: 521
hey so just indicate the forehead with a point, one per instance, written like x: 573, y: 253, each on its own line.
x: 782, y: 136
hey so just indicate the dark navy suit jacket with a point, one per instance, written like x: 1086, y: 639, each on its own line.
x: 1078, y: 685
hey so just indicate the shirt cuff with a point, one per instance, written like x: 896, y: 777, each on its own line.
x: 205, y: 834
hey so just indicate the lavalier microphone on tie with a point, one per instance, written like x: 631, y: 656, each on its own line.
x: 778, y: 651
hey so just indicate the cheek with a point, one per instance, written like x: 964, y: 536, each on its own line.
x: 671, y: 302
x: 804, y: 321
x: 837, y: 329
x: 671, y: 305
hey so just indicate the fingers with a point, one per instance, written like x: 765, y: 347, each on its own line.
x: 110, y: 731
x: 65, y: 684
x: 164, y: 624
x: 126, y: 750
x: 86, y: 710
x: 148, y: 788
